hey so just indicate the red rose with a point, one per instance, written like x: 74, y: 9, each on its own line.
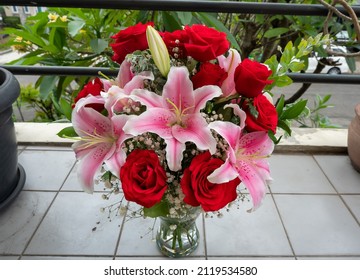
x: 205, y: 43
x: 199, y: 191
x: 129, y: 40
x: 209, y: 74
x: 93, y: 87
x: 175, y: 43
x: 143, y: 178
x: 251, y: 77
x: 267, y: 118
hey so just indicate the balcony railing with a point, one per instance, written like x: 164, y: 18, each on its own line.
x: 181, y: 5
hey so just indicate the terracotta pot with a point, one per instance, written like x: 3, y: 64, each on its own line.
x: 12, y: 174
x: 354, y: 139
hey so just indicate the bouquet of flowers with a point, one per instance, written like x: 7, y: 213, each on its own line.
x: 183, y: 125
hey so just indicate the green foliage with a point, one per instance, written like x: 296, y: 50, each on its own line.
x: 66, y: 37
x: 293, y: 59
x: 312, y: 117
x: 11, y: 21
x: 159, y: 209
x: 288, y: 113
x: 43, y: 108
x: 67, y: 132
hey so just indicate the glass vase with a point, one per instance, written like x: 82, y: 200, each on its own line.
x: 178, y: 237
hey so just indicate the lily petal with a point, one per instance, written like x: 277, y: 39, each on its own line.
x: 179, y: 89
x: 195, y: 129
x: 229, y: 64
x: 91, y: 163
x: 254, y: 182
x: 225, y: 173
x: 230, y: 131
x: 154, y: 120
x: 148, y: 98
x: 204, y: 94
x: 256, y: 143
x: 174, y: 153
x: 86, y: 120
x: 240, y: 113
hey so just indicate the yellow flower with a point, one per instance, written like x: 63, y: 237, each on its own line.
x: 64, y: 18
x: 158, y: 50
x: 18, y: 39
x: 53, y: 17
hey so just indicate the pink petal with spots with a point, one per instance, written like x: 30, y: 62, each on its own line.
x: 257, y: 143
x: 230, y: 131
x: 238, y: 112
x: 91, y: 163
x: 195, y: 129
x: 87, y: 120
x: 229, y: 64
x: 154, y: 120
x: 178, y: 89
x: 148, y: 98
x: 203, y: 95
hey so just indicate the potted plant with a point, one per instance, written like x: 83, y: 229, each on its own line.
x: 12, y: 174
x: 354, y: 139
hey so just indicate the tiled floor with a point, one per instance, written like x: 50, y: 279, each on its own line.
x: 312, y: 211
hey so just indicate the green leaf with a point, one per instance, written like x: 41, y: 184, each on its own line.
x: 75, y: 26
x: 98, y: 45
x: 159, y: 209
x: 184, y: 17
x: 272, y: 63
x: 273, y: 137
x: 351, y: 63
x: 27, y: 36
x: 57, y: 38
x: 294, y: 110
x: 274, y: 32
x: 296, y: 66
x: 66, y: 108
x: 47, y: 85
x: 282, y: 81
x: 280, y: 105
x: 283, y: 125
x: 67, y: 132
x: 171, y: 22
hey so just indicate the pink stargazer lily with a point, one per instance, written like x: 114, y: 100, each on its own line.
x: 117, y: 93
x: 175, y: 116
x: 247, y: 157
x: 101, y: 138
x: 229, y: 64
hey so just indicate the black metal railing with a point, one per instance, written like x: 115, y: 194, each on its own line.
x: 180, y: 5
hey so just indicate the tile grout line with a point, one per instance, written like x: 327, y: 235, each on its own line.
x: 338, y: 194
x: 46, y: 212
x: 283, y: 225
x: 204, y: 239
x: 120, y: 232
x: 37, y: 227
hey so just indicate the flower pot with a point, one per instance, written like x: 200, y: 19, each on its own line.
x: 12, y: 175
x: 354, y: 139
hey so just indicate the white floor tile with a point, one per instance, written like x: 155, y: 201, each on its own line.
x: 353, y: 201
x: 319, y: 225
x: 20, y: 220
x: 297, y: 174
x: 239, y: 233
x: 46, y: 170
x: 340, y: 172
x: 75, y: 225
x: 4, y: 258
x: 72, y: 182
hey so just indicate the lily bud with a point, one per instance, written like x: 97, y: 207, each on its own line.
x: 158, y: 50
